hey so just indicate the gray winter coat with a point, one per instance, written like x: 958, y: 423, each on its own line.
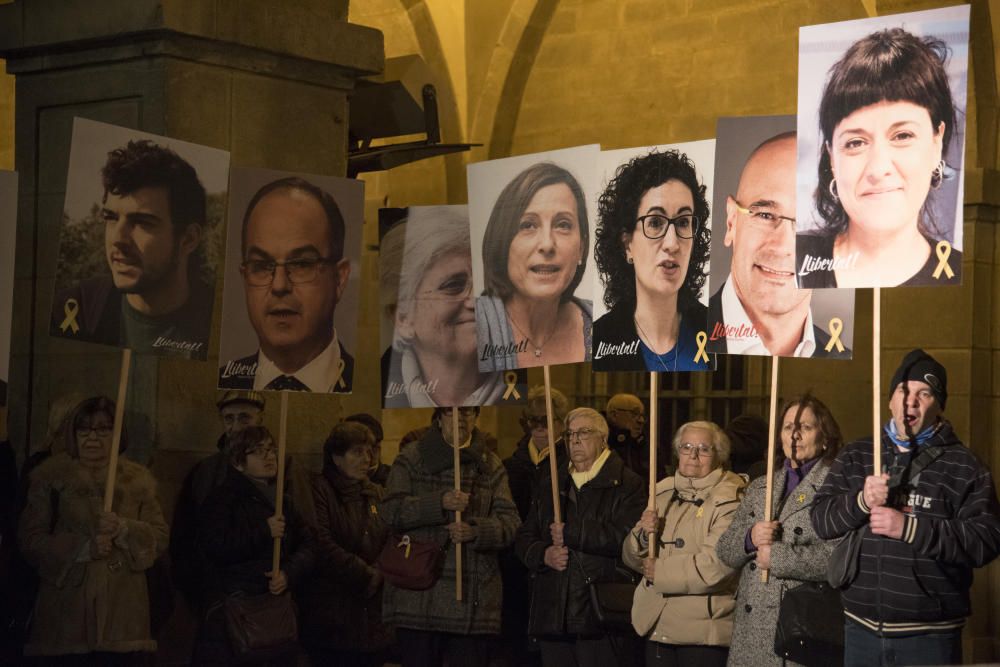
x: 799, y: 556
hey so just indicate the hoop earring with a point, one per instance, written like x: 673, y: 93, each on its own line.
x: 833, y: 189
x: 629, y: 260
x: 937, y: 176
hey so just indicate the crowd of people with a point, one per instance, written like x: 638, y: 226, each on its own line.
x: 588, y: 571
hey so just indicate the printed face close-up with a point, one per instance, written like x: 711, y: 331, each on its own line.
x: 800, y: 441
x: 661, y: 264
x: 883, y: 157
x: 763, y: 264
x: 140, y: 245
x: 914, y: 407
x: 547, y: 248
x: 443, y: 312
x: 291, y: 225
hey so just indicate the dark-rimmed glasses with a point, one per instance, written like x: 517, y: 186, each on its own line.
x: 260, y: 272
x: 655, y: 225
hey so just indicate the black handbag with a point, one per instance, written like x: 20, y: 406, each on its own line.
x: 842, y: 568
x: 260, y: 627
x: 612, y: 600
x: 414, y: 565
x: 811, y: 625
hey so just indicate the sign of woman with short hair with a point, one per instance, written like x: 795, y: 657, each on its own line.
x: 531, y: 220
x: 881, y: 142
x: 137, y: 256
x: 290, y: 306
x: 652, y: 249
x: 428, y: 314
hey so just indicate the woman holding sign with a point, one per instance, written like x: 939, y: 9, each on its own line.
x: 886, y: 118
x: 651, y: 250
x: 534, y: 257
x: 92, y: 564
x: 786, y: 547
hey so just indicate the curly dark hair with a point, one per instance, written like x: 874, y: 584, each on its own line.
x: 617, y: 210
x: 143, y: 164
x: 829, y: 430
x: 886, y: 66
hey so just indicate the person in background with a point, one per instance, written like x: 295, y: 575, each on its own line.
x: 748, y: 441
x: 379, y: 472
x: 626, y: 423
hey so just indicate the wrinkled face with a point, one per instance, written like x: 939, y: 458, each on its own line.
x: 355, y: 462
x: 882, y: 158
x: 139, y: 241
x: 630, y: 416
x: 914, y: 407
x: 584, y: 442
x: 291, y: 225
x: 547, y: 248
x: 536, y: 425
x: 93, y: 438
x: 699, y: 459
x: 237, y: 416
x: 466, y: 422
x: 661, y: 265
x: 763, y: 263
x: 262, y: 462
x: 443, y: 313
x: 801, y: 440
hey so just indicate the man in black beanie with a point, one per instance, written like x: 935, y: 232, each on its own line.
x: 926, y: 521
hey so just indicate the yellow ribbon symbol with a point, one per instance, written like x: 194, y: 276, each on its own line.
x: 836, y: 326
x: 699, y: 513
x: 702, y: 339
x: 802, y: 498
x: 943, y: 251
x: 340, y: 375
x: 70, y: 309
x: 510, y: 377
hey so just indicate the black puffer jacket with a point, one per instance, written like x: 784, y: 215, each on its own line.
x: 524, y: 475
x: 597, y: 518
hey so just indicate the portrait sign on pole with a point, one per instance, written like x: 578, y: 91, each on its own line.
x: 140, y: 241
x: 291, y: 292
x: 8, y: 237
x: 532, y: 220
x: 652, y: 246
x: 881, y: 143
x: 756, y: 307
x: 428, y: 317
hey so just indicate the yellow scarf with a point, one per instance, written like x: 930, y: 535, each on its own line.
x: 581, y: 478
x: 536, y: 455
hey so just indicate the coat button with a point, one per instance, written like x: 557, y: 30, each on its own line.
x: 748, y: 608
x: 753, y: 566
x: 798, y: 530
x: 752, y: 514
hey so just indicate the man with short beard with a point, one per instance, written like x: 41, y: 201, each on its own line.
x: 154, y: 299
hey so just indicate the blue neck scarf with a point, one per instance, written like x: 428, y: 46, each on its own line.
x: 904, y: 442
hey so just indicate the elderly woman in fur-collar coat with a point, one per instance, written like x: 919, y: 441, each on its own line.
x: 92, y: 597
x: 787, y: 547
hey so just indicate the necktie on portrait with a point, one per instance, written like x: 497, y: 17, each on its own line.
x: 283, y: 382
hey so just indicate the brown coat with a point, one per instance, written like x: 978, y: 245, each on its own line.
x: 88, y: 605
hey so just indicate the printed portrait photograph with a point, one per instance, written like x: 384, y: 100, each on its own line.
x: 428, y: 315
x: 881, y: 143
x: 532, y: 220
x: 140, y: 242
x: 756, y: 307
x: 8, y: 237
x: 291, y: 291
x: 652, y: 246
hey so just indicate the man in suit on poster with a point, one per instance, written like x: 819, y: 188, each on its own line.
x: 759, y: 310
x: 294, y: 274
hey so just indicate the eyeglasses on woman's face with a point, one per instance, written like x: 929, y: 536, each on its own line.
x: 696, y: 450
x: 656, y: 225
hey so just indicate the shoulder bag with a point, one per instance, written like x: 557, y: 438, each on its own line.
x: 414, y: 565
x: 260, y: 627
x: 811, y: 625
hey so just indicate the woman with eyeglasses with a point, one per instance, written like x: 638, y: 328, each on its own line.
x: 92, y: 601
x: 684, y: 607
x: 236, y: 532
x: 600, y: 499
x: 787, y: 546
x: 426, y: 298
x: 534, y: 257
x: 651, y: 249
x: 886, y: 118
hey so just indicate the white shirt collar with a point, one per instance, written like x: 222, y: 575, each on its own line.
x: 747, y: 341
x: 320, y: 375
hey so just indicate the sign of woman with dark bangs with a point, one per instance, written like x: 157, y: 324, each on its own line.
x: 8, y: 234
x: 140, y: 241
x: 428, y: 317
x: 652, y: 252
x: 532, y: 224
x: 881, y: 131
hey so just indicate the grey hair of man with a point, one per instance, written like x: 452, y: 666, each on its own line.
x: 427, y: 234
x: 596, y: 418
x: 720, y: 441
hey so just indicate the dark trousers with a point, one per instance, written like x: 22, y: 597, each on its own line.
x: 673, y: 655
x: 423, y: 648
x: 864, y: 648
x: 334, y: 658
x: 595, y: 651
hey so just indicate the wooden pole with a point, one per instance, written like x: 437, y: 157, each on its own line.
x: 876, y: 380
x: 116, y: 431
x: 554, y: 476
x: 772, y: 426
x: 279, y: 498
x: 654, y: 427
x: 458, y: 487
